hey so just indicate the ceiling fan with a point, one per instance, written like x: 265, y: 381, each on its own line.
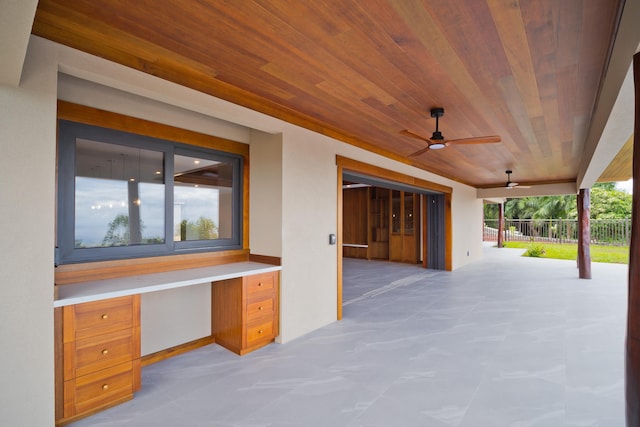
x: 437, y: 140
x: 509, y: 185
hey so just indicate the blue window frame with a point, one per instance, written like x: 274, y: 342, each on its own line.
x: 125, y: 195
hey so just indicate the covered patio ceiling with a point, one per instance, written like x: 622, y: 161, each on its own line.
x: 543, y: 75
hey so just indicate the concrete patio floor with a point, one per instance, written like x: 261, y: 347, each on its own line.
x: 504, y: 341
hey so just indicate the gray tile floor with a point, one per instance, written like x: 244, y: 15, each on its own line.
x: 505, y: 341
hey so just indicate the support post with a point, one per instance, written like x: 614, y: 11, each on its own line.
x: 560, y: 229
x: 632, y: 356
x: 500, y: 224
x: 584, y: 234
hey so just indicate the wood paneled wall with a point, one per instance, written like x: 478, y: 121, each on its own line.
x: 355, y: 221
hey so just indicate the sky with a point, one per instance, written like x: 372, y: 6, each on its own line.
x: 625, y: 186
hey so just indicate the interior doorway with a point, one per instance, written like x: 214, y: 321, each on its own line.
x: 384, y: 215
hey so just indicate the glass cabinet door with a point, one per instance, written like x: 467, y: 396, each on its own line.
x: 396, y: 214
x: 408, y: 214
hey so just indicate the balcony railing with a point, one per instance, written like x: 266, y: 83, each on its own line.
x: 603, y: 231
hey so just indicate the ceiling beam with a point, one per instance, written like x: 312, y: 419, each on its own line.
x: 533, y: 190
x: 594, y: 161
x: 16, y: 19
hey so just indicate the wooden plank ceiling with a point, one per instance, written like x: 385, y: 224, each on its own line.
x: 363, y: 71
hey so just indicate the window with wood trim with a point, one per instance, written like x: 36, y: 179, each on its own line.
x: 124, y: 195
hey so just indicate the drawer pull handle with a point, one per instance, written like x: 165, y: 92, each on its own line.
x: 105, y: 386
x: 260, y: 308
x: 105, y: 352
x: 260, y: 284
x: 104, y: 316
x: 260, y: 331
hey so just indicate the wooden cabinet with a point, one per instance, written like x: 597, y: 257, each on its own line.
x: 98, y: 363
x: 379, y: 223
x: 244, y: 312
x: 388, y: 230
x: 404, y: 238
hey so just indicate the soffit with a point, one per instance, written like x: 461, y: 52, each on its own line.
x: 363, y: 71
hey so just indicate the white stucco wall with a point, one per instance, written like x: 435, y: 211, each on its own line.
x: 265, y: 183
x: 309, y: 215
x: 293, y: 210
x: 27, y: 173
x: 467, y: 216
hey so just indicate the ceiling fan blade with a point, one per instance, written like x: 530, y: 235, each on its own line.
x: 413, y: 135
x: 512, y: 185
x: 419, y: 152
x: 476, y: 140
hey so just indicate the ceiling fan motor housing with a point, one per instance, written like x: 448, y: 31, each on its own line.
x: 437, y: 136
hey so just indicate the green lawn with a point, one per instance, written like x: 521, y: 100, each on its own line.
x: 613, y: 254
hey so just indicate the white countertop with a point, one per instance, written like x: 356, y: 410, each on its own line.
x: 131, y: 285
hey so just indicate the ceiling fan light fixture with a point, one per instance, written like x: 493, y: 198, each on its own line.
x: 437, y: 146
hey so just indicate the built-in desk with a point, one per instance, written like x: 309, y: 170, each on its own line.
x: 132, y: 285
x: 98, y: 328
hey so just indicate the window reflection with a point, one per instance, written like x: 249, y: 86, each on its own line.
x: 119, y: 195
x: 203, y: 199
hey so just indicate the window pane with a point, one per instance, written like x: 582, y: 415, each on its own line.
x: 119, y: 195
x: 395, y: 211
x: 408, y: 213
x: 203, y: 199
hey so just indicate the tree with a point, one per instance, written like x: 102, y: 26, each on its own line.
x: 118, y: 232
x: 555, y: 207
x: 491, y: 211
x: 606, y: 203
x: 202, y: 229
x: 609, y: 203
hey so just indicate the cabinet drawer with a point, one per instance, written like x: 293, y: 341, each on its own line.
x: 260, y: 282
x: 103, y: 387
x: 94, y: 318
x: 261, y: 308
x: 260, y: 332
x: 96, y: 353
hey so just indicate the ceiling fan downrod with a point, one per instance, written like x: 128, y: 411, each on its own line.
x: 436, y: 137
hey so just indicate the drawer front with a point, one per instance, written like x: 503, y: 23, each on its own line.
x: 94, y: 318
x: 103, y: 387
x: 260, y: 332
x: 96, y: 353
x: 260, y: 283
x: 258, y: 309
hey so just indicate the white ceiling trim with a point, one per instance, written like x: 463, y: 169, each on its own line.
x: 16, y: 20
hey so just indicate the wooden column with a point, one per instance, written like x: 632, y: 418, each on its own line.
x: 584, y: 234
x: 632, y: 365
x: 500, y: 224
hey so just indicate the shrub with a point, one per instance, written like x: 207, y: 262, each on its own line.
x: 535, y: 251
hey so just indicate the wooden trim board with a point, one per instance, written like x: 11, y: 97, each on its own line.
x: 167, y: 353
